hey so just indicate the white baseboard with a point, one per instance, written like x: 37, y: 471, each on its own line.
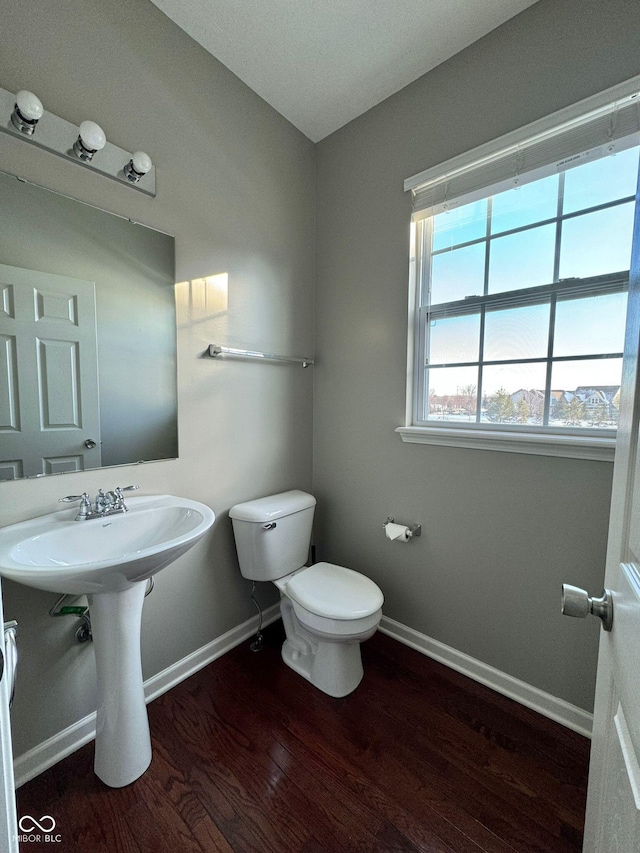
x: 59, y: 746
x: 544, y: 703
x: 49, y: 752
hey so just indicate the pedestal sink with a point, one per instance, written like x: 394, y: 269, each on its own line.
x: 109, y: 560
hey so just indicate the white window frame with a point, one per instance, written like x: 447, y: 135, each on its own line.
x: 578, y: 445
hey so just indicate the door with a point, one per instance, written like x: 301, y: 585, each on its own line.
x: 613, y: 805
x: 8, y: 826
x: 48, y: 374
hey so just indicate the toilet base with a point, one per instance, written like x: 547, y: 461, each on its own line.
x: 334, y: 668
x: 332, y: 663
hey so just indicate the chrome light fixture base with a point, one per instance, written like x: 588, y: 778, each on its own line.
x: 139, y: 165
x: 22, y: 124
x: 85, y: 154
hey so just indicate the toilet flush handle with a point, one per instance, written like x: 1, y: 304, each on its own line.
x: 270, y: 525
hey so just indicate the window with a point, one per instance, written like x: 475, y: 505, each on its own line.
x: 524, y: 301
x: 520, y: 293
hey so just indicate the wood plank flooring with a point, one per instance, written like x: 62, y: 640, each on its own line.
x: 249, y: 757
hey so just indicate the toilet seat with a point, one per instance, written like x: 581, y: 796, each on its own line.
x: 334, y: 592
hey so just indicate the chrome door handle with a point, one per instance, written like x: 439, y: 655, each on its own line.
x: 11, y: 656
x: 577, y: 602
x: 90, y: 444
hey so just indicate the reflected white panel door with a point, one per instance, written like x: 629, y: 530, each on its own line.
x: 8, y: 826
x: 48, y: 374
x: 613, y: 806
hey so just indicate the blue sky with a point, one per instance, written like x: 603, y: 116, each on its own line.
x: 591, y: 244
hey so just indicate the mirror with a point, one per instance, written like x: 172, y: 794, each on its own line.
x: 87, y: 337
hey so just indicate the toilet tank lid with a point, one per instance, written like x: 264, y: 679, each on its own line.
x: 273, y: 506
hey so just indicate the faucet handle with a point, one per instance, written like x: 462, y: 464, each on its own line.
x: 120, y: 497
x: 120, y: 489
x: 85, y: 504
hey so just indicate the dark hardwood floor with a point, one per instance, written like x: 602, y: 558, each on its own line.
x: 249, y: 757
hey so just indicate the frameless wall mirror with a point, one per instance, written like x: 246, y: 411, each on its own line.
x: 87, y: 337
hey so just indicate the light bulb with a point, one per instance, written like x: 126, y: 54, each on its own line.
x: 91, y: 139
x: 27, y: 112
x: 30, y: 105
x: 138, y: 166
x: 141, y: 162
x: 92, y: 136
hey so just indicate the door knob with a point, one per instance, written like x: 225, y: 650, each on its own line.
x: 90, y: 444
x: 577, y: 602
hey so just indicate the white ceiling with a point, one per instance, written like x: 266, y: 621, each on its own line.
x: 321, y: 63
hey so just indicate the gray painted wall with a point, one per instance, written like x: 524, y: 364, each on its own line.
x: 236, y: 187
x: 501, y: 531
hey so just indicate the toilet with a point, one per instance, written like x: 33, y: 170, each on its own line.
x: 327, y: 610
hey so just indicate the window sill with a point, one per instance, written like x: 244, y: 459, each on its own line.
x: 601, y: 449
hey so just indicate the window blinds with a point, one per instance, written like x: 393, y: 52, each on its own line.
x: 597, y: 127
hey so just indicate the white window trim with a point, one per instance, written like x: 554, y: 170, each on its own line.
x: 571, y: 445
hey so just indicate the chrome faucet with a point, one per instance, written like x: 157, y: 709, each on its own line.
x: 103, y: 505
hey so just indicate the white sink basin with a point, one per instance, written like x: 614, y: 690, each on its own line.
x: 108, y: 559
x: 55, y: 553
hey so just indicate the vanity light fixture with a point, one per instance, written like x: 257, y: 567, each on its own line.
x: 23, y: 117
x: 27, y: 111
x: 138, y: 167
x: 91, y: 139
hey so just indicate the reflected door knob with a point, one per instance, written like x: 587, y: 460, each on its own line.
x: 90, y: 443
x: 577, y: 602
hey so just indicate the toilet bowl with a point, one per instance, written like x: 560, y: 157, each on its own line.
x: 327, y: 610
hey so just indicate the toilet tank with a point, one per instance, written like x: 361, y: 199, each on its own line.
x: 273, y: 534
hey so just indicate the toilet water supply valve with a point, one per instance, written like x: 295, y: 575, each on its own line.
x: 83, y: 633
x: 258, y: 640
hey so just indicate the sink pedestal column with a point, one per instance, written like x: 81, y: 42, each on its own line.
x: 123, y: 743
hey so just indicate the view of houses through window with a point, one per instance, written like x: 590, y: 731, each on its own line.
x: 524, y: 301
x: 584, y: 406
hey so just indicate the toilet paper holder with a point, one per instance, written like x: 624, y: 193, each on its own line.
x: 414, y: 529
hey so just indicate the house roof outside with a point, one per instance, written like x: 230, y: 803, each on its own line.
x: 607, y: 394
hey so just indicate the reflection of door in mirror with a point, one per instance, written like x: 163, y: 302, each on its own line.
x: 133, y: 272
x: 48, y: 374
